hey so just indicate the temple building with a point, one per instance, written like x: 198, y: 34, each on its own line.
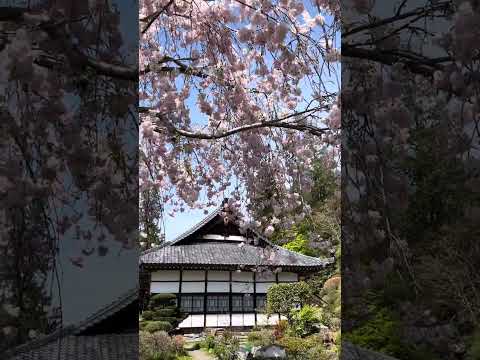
x: 221, y: 275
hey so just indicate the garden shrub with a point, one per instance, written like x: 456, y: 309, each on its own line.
x: 226, y: 347
x: 380, y: 333
x: 161, y: 309
x: 208, y: 342
x: 280, y: 328
x: 165, y: 312
x: 282, y: 298
x: 304, y: 320
x: 297, y: 348
x: 154, y: 326
x: 263, y: 337
x: 162, y: 301
x: 318, y: 352
x: 179, y: 342
x: 157, y: 346
x: 171, y: 320
x: 148, y: 315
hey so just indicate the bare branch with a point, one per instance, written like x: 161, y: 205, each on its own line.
x: 151, y: 19
x: 275, y: 123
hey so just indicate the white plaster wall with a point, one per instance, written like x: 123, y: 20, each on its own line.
x: 223, y: 320
x: 187, y: 323
x: 242, y: 276
x: 242, y: 287
x: 193, y: 275
x: 237, y: 319
x: 212, y: 320
x: 197, y: 320
x: 166, y: 275
x: 164, y: 287
x: 248, y: 319
x: 219, y: 275
x: 287, y: 276
x: 193, y: 287
x: 262, y: 276
x: 218, y: 287
x: 262, y: 319
x: 263, y: 287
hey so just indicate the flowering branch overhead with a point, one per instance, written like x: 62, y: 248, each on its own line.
x: 260, y: 81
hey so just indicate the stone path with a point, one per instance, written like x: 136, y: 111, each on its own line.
x: 200, y: 355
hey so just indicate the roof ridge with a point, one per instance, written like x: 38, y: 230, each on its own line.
x: 197, y: 226
x: 153, y: 249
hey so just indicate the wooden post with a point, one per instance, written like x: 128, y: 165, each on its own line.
x: 205, y: 300
x: 255, y: 296
x: 230, y: 298
x: 276, y: 280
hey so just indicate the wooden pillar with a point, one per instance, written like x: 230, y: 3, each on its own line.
x: 205, y: 300
x: 255, y: 296
x: 230, y: 297
x: 180, y: 283
x: 276, y: 280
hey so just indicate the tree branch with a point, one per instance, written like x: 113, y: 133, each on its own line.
x: 422, y: 11
x: 275, y: 123
x: 416, y: 64
x: 58, y: 30
x: 151, y: 19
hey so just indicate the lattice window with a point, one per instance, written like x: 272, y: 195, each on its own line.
x: 261, y: 302
x: 192, y: 303
x: 242, y: 303
x: 217, y: 303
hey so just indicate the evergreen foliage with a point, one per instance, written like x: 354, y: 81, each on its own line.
x: 162, y: 314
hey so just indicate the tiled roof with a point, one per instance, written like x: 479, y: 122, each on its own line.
x: 65, y: 344
x: 71, y: 347
x: 190, y: 250
x: 229, y: 254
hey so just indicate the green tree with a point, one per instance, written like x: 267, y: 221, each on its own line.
x: 282, y: 298
x: 162, y: 314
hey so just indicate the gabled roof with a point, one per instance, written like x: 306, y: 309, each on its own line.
x: 207, y: 220
x: 190, y: 250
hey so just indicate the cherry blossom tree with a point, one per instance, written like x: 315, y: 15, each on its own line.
x: 236, y: 98
x: 68, y: 162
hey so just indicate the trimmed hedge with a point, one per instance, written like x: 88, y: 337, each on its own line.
x: 161, y: 314
x: 165, y: 312
x: 148, y: 315
x: 162, y: 300
x: 154, y: 326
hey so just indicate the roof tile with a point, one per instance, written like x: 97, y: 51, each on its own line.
x: 229, y: 254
